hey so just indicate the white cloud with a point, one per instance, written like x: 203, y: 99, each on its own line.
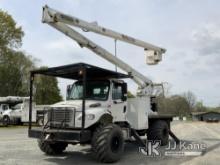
x: 63, y: 45
x: 207, y: 39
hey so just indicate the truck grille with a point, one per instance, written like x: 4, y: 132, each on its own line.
x: 60, y: 117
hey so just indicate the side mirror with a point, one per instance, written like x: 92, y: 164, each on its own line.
x: 124, y: 92
x: 68, y: 91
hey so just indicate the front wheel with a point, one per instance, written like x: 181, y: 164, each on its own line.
x: 52, y: 148
x: 108, y: 143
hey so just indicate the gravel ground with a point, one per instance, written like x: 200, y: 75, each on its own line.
x: 17, y: 149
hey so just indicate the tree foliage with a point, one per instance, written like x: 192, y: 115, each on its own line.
x: 46, y: 90
x: 199, y: 107
x: 10, y: 34
x: 15, y: 66
x: 14, y: 73
x: 175, y: 105
x: 191, y: 99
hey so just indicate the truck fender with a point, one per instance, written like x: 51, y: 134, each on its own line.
x: 105, y: 118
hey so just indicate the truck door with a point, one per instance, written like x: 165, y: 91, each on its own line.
x: 119, y: 104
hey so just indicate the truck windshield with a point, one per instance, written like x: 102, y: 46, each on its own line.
x: 95, y: 90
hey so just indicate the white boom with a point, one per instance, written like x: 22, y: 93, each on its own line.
x: 61, y: 21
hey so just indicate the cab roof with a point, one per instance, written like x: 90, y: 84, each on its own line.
x: 74, y: 71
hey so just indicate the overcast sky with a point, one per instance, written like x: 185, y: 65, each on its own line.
x: 188, y: 29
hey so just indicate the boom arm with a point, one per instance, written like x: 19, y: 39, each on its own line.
x: 61, y: 21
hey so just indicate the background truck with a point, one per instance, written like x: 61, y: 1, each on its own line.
x: 15, y: 110
x: 97, y: 110
x: 3, y: 107
x: 9, y: 114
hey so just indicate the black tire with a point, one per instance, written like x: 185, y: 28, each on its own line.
x: 159, y: 130
x: 6, y: 121
x: 108, y: 143
x: 52, y: 148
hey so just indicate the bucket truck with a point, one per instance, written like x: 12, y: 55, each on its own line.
x: 96, y: 110
x: 10, y: 113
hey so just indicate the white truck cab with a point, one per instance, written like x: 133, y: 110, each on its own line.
x: 102, y: 97
x: 12, y: 115
x: 3, y: 107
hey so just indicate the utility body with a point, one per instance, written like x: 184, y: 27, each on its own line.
x: 97, y: 110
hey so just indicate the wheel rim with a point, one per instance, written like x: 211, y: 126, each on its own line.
x: 115, y: 144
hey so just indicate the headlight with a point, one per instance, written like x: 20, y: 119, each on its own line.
x: 88, y: 117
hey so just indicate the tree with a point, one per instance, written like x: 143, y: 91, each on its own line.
x: 14, y: 73
x: 175, y: 105
x: 11, y: 69
x: 10, y: 34
x: 191, y: 99
x: 199, y: 107
x: 15, y: 66
x: 179, y: 105
x: 46, y: 90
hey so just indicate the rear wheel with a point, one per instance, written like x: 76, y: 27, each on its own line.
x: 52, y: 148
x: 6, y: 121
x: 159, y: 130
x: 108, y: 143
